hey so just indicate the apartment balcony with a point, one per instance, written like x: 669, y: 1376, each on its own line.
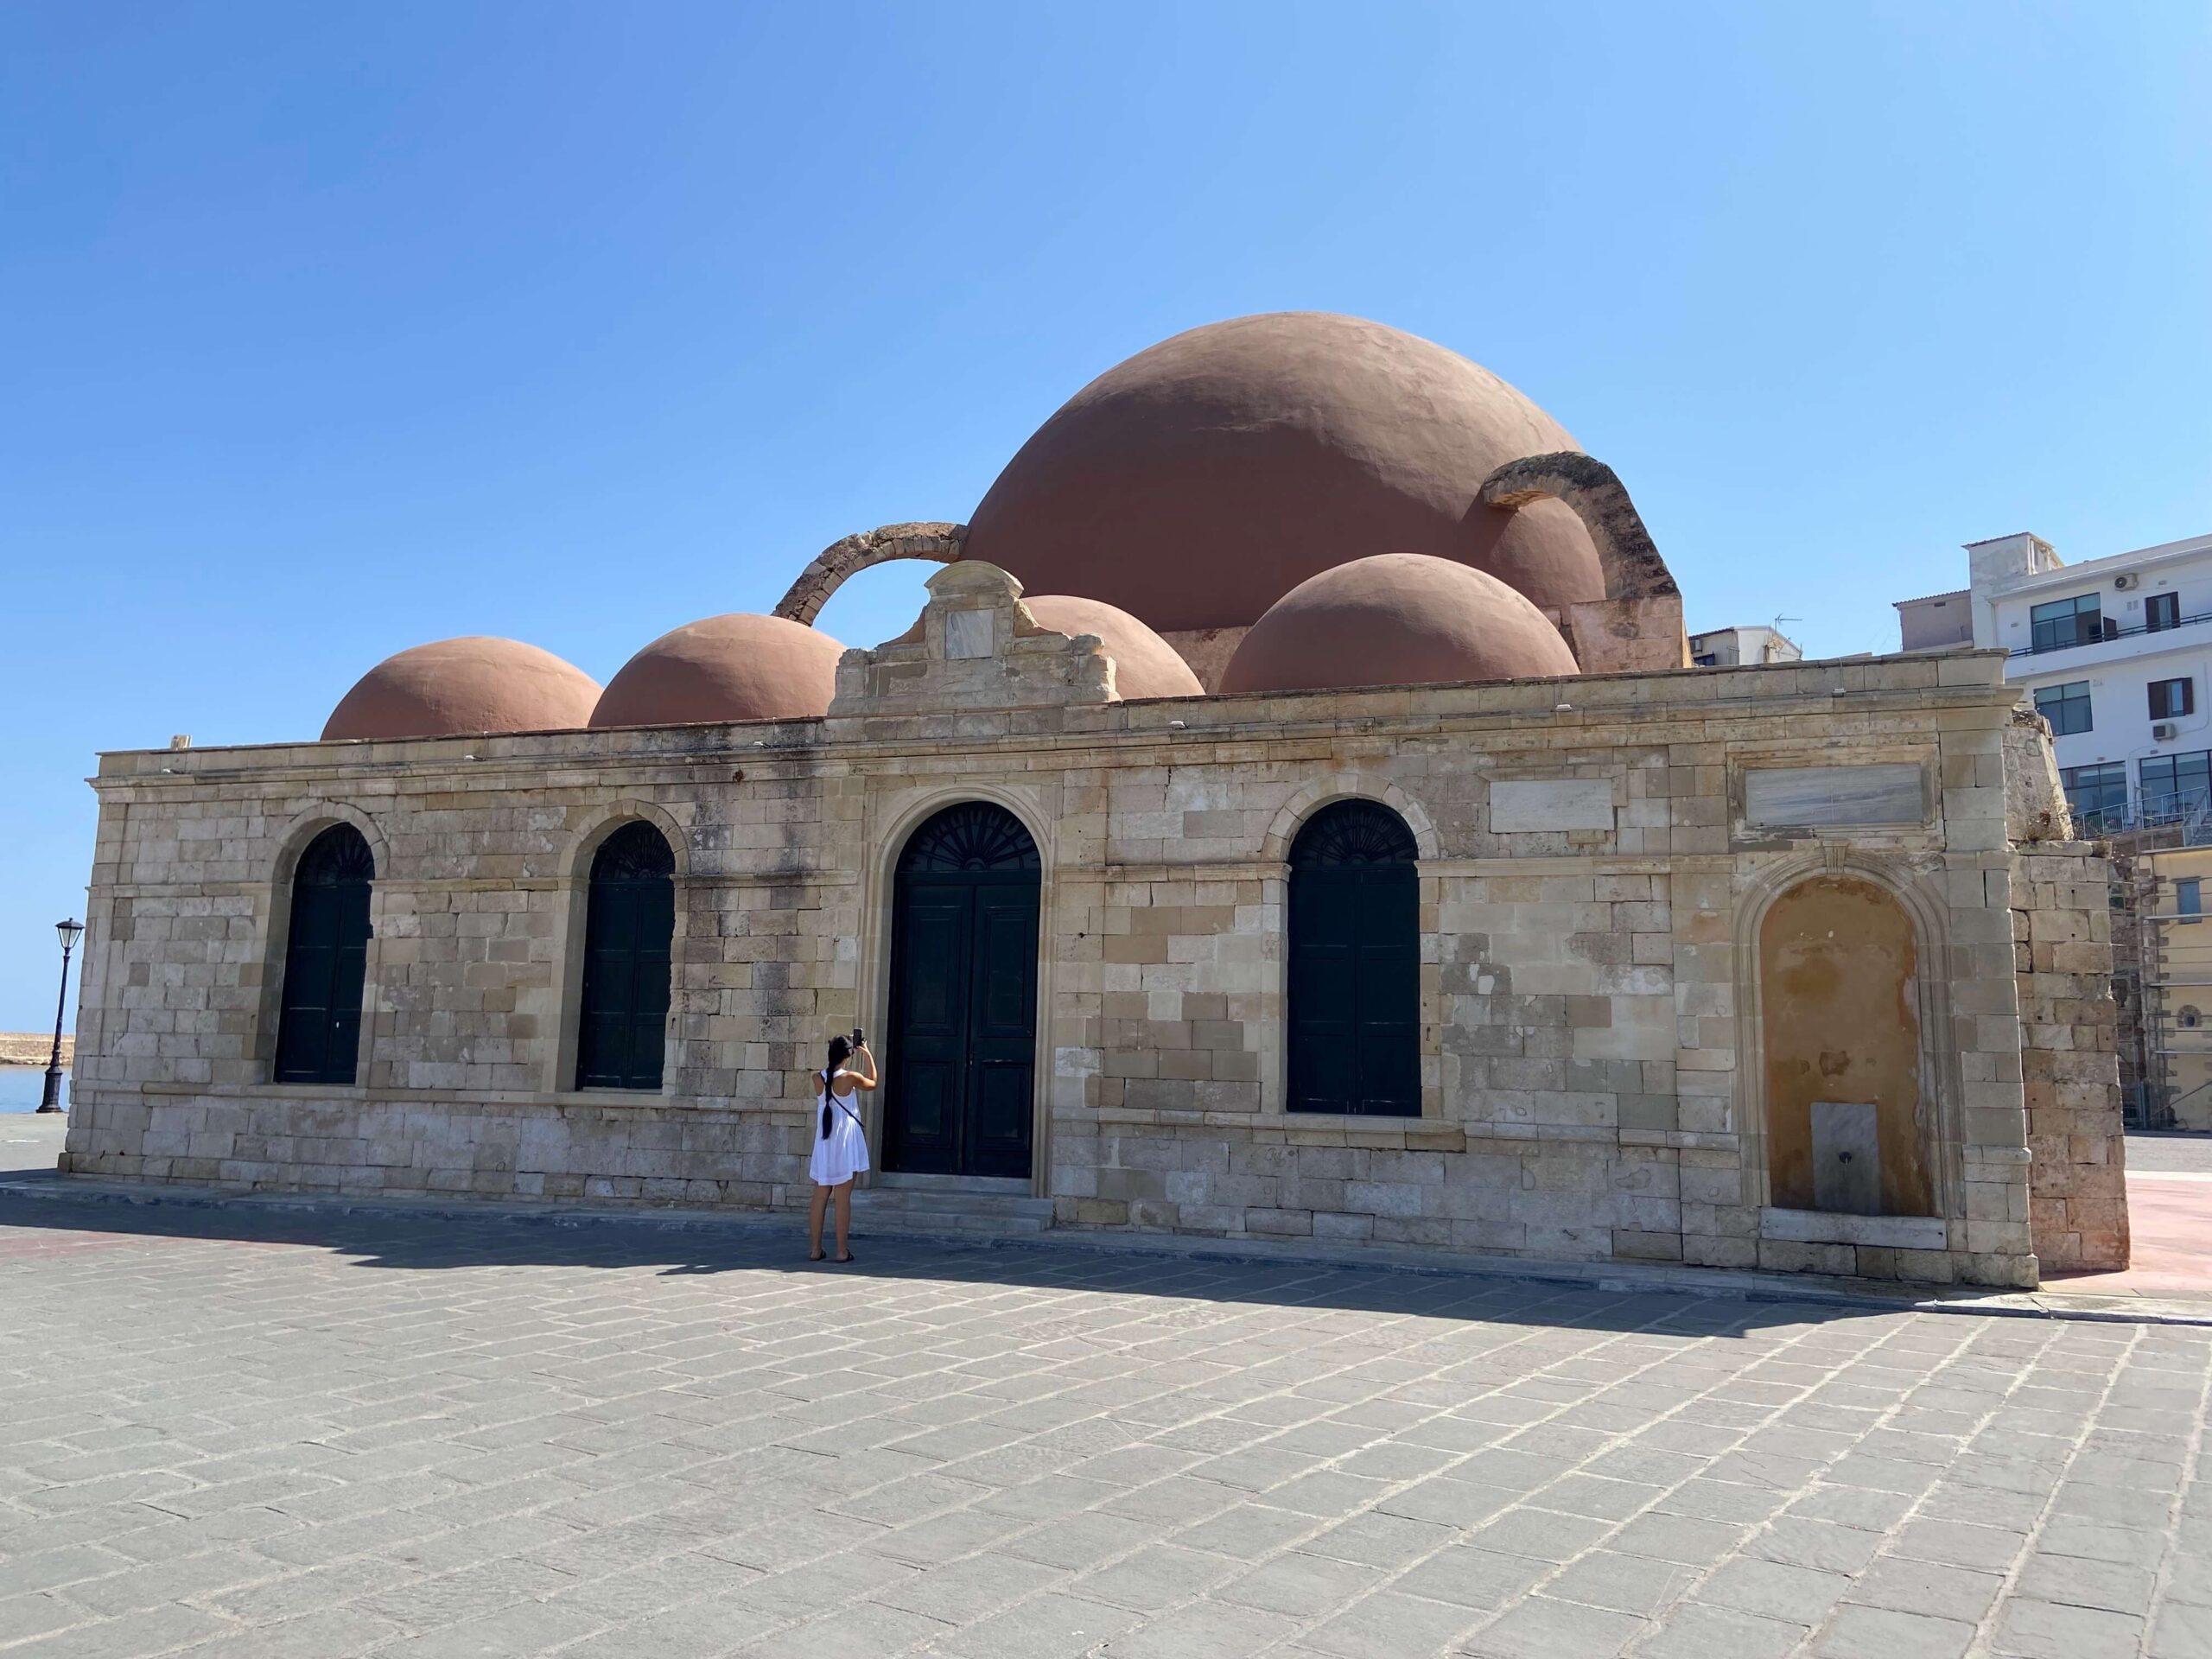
x: 2081, y: 633
x: 2180, y: 819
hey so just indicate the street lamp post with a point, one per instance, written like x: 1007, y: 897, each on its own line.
x: 67, y: 933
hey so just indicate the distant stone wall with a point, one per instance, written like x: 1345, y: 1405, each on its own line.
x: 35, y: 1048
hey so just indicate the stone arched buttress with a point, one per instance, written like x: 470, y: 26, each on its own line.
x: 941, y: 543
x: 1632, y: 567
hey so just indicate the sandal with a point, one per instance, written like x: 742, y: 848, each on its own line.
x: 844, y: 1259
x: 818, y: 1257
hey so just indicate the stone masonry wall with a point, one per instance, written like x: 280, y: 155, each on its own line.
x: 2061, y: 932
x: 1589, y: 1052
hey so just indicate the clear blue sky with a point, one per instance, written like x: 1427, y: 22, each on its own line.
x: 332, y: 329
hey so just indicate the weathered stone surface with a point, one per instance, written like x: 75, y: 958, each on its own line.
x: 1631, y: 563
x: 977, y: 647
x: 1592, y: 1073
x: 826, y: 572
x: 1551, y: 803
x: 2068, y: 1060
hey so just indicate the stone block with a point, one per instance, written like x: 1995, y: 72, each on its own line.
x: 1631, y: 1246
x: 1556, y: 804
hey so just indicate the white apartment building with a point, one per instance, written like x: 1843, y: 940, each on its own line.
x: 2117, y: 653
x: 1743, y: 647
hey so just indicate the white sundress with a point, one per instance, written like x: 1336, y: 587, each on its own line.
x: 841, y: 1154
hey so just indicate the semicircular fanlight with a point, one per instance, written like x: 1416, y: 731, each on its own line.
x: 636, y: 852
x: 338, y: 855
x: 1353, y: 832
x: 973, y: 835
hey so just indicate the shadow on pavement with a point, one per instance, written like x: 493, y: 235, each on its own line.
x: 559, y: 1240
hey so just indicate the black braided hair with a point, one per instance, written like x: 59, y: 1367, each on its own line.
x: 841, y: 1050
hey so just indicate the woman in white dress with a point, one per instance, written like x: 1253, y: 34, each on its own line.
x: 839, y: 1143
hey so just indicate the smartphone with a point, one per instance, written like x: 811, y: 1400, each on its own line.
x: 859, y: 1041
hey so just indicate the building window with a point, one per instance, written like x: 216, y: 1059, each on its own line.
x: 629, y: 923
x: 1355, y: 964
x: 2171, y: 698
x: 2188, y: 1018
x: 2098, y: 796
x: 326, y: 957
x: 1706, y: 659
x: 2175, y: 786
x: 2188, y: 898
x: 2066, y: 622
x: 2161, y: 611
x: 2066, y: 707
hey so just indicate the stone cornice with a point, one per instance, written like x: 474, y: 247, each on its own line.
x: 1616, y: 710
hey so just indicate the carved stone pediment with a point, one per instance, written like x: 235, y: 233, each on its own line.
x: 976, y: 647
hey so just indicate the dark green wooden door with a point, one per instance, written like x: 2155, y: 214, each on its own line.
x: 960, y: 1095
x: 629, y: 923
x: 1355, y: 964
x: 326, y: 957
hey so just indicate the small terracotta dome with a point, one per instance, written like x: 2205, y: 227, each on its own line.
x: 1198, y: 482
x: 1145, y: 665
x: 1396, y: 619
x: 460, y: 687
x: 736, y: 667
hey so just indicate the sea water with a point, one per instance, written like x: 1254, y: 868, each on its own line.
x: 21, y: 1088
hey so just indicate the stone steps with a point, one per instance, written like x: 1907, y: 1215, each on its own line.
x: 907, y: 1209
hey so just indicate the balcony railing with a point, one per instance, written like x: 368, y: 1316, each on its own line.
x: 2074, y: 637
x: 2188, y: 810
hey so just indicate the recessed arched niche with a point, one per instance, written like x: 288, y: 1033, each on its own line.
x: 1840, y: 998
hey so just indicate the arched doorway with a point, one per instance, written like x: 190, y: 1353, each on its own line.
x: 629, y: 923
x: 1839, y: 1004
x: 326, y: 957
x: 961, y: 1094
x: 1355, y: 963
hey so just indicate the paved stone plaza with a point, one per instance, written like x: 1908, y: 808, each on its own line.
x: 318, y: 1435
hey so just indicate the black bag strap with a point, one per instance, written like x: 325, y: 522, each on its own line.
x: 828, y: 1099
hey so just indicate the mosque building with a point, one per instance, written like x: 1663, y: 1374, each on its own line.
x: 1292, y: 818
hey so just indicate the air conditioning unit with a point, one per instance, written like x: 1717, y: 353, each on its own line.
x: 2164, y: 731
x: 2127, y: 581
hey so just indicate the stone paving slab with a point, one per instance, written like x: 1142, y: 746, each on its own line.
x: 2168, y: 1151
x: 234, y: 1431
x: 2170, y: 1218
x: 31, y: 1141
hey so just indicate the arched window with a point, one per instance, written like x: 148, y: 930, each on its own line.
x: 1355, y: 963
x: 326, y: 954
x: 629, y: 923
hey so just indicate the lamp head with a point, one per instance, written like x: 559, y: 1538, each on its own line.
x: 67, y: 932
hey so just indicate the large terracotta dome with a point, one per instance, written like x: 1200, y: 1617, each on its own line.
x: 1396, y: 619
x: 1145, y: 665
x: 736, y: 667
x: 1202, y: 479
x: 461, y: 687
